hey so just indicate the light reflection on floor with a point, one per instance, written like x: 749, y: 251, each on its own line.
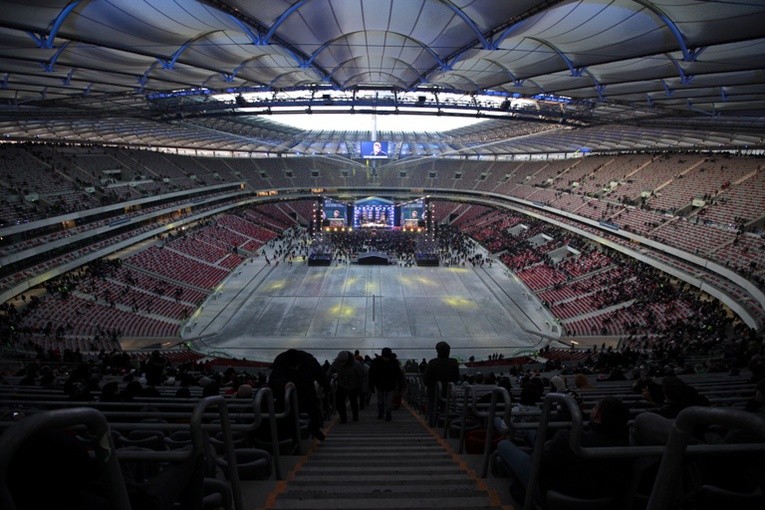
x: 325, y: 309
x: 459, y: 302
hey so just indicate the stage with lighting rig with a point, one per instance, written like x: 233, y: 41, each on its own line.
x: 334, y: 215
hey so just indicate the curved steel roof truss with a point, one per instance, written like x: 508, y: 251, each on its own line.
x: 679, y: 62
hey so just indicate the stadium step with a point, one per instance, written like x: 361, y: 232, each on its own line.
x: 374, y: 464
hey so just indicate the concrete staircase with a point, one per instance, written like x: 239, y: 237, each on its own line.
x: 374, y: 464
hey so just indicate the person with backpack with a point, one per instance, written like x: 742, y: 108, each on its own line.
x: 304, y: 371
x: 350, y: 375
x: 385, y: 376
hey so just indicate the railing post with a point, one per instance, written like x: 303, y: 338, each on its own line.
x: 197, y: 438
x: 544, y: 419
x: 467, y: 396
x: 15, y: 436
x: 495, y: 394
x: 686, y: 421
x: 266, y: 393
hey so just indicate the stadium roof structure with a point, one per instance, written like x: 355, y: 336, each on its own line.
x: 551, y: 75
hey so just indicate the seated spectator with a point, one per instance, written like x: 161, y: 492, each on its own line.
x: 155, y: 368
x: 110, y: 392
x: 654, y: 427
x: 563, y: 471
x: 581, y: 382
x: 742, y: 473
x: 755, y: 405
x: 526, y: 411
x: 244, y: 391
x: 558, y: 385
x: 211, y: 389
x: 677, y: 396
x: 651, y: 392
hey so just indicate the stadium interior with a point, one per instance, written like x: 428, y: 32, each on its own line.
x: 568, y: 194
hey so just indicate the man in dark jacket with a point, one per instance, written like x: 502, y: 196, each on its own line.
x: 350, y: 376
x: 301, y: 369
x: 441, y: 369
x: 385, y: 377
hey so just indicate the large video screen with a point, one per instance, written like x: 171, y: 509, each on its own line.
x: 373, y: 212
x: 334, y: 213
x: 413, y: 214
x: 375, y: 150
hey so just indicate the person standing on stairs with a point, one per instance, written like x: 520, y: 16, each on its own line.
x: 441, y: 369
x: 385, y: 377
x: 303, y: 370
x: 350, y: 374
x: 364, y: 389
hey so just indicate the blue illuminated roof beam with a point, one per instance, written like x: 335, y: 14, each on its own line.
x: 576, y: 72
x: 50, y: 65
x: 685, y: 79
x: 264, y: 36
x: 485, y: 43
x: 517, y: 82
x: 689, y: 55
x: 46, y: 41
x: 249, y: 32
x: 266, y: 39
x: 229, y: 78
x: 170, y: 63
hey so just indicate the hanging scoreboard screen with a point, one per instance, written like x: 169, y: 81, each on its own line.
x: 375, y: 150
x: 334, y: 213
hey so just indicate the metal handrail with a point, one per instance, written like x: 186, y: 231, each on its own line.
x: 482, y: 410
x: 466, y: 396
x: 677, y: 444
x: 605, y: 452
x: 290, y: 404
x: 496, y: 394
x: 257, y: 405
x: 198, y: 440
x: 450, y: 402
x: 255, y: 415
x: 435, y: 401
x: 15, y: 436
x: 415, y: 390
